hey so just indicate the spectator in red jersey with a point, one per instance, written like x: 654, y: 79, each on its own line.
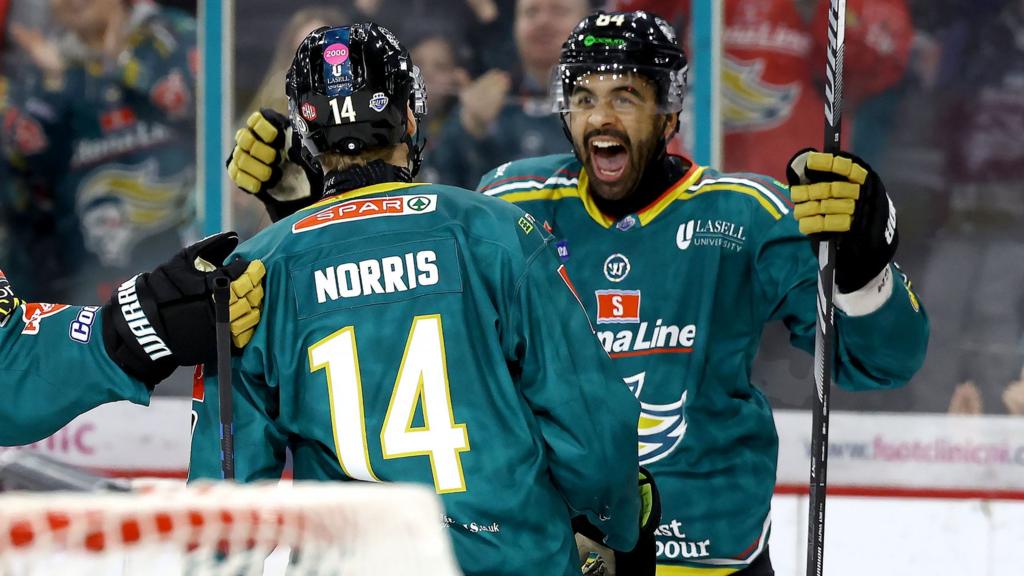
x: 878, y: 39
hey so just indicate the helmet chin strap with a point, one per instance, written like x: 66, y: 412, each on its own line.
x: 416, y: 143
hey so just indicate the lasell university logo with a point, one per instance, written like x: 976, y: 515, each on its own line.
x: 715, y: 233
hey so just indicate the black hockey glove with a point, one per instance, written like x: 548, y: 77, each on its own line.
x: 642, y: 559
x: 841, y: 195
x: 259, y: 165
x: 8, y: 301
x: 160, y: 320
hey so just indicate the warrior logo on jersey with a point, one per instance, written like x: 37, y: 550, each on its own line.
x: 616, y: 268
x: 661, y: 427
x: 749, y: 102
x: 33, y: 313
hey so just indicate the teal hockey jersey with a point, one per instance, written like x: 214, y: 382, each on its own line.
x: 53, y: 367
x: 428, y: 334
x: 680, y: 293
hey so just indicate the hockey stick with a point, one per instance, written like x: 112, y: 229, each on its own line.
x: 222, y: 303
x: 824, y: 334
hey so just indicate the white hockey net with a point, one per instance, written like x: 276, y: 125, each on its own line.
x: 224, y: 529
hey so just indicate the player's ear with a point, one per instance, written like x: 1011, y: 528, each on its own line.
x: 671, y: 126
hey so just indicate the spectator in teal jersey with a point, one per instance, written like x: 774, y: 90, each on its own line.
x: 108, y: 141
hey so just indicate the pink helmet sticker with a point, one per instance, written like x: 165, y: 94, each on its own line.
x: 335, y: 54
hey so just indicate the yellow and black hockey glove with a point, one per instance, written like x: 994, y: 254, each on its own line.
x: 160, y: 320
x: 642, y: 559
x: 9, y: 303
x: 247, y: 303
x: 840, y: 195
x: 260, y: 164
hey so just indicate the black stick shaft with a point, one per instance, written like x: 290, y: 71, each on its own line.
x: 824, y: 335
x: 222, y: 302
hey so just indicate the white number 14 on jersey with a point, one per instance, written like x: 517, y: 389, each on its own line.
x: 422, y: 381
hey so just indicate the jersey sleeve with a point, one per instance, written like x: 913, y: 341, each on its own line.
x: 586, y: 414
x: 259, y: 444
x: 877, y: 350
x: 53, y: 367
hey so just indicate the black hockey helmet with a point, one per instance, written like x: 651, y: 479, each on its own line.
x: 614, y: 43
x: 348, y: 88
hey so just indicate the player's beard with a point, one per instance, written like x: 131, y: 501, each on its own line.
x: 613, y: 173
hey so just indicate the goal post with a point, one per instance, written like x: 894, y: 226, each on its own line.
x: 214, y: 529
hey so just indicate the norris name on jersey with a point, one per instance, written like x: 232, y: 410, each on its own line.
x: 385, y: 275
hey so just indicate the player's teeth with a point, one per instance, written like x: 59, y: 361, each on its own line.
x: 604, y: 144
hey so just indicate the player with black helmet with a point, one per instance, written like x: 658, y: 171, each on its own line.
x: 407, y: 332
x: 329, y: 115
x: 681, y: 267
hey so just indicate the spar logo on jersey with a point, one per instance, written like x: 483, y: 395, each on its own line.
x: 33, y: 313
x: 616, y: 268
x: 366, y: 208
x: 618, y: 306
x: 661, y: 426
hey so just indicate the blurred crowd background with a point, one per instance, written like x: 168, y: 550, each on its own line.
x: 97, y: 178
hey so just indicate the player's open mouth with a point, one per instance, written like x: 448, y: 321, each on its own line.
x: 609, y: 156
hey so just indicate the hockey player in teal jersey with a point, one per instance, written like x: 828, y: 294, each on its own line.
x: 58, y: 361
x: 423, y: 333
x: 681, y: 267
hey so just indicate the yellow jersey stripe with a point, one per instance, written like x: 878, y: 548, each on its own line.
x: 365, y: 191
x: 542, y: 194
x: 672, y: 570
x: 649, y: 213
x: 738, y: 188
x: 588, y: 202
